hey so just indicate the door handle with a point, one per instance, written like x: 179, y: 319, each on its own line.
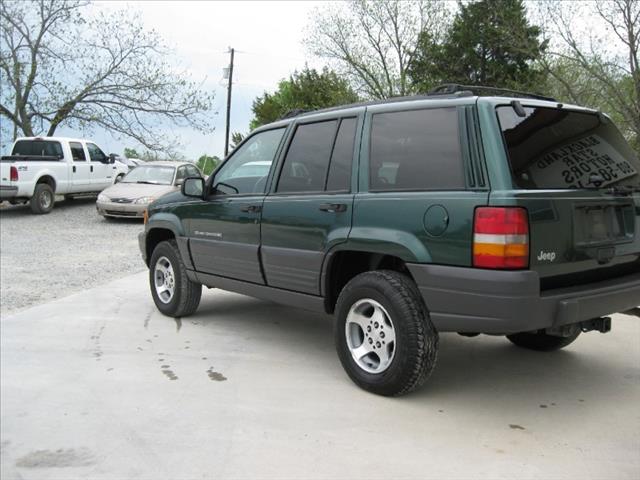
x: 333, y: 207
x: 92, y: 168
x: 74, y: 169
x: 251, y: 208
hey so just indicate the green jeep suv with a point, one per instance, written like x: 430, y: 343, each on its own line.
x: 509, y: 214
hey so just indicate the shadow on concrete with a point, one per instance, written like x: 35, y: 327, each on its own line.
x: 484, y: 369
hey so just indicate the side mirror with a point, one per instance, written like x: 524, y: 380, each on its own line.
x: 111, y: 158
x: 193, y: 187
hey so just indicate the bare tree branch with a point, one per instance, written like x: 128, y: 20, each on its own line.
x: 59, y: 68
x: 373, y: 41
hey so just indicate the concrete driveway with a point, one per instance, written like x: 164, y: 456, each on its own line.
x: 100, y: 385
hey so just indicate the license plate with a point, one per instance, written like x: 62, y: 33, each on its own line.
x: 596, y: 225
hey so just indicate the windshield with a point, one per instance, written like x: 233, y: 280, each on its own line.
x: 150, y: 174
x: 554, y: 148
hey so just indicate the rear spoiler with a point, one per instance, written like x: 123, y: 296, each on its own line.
x: 30, y: 158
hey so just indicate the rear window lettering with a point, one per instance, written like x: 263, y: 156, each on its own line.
x: 416, y: 150
x: 559, y: 149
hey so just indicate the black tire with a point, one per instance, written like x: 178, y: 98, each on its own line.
x: 416, y: 346
x: 43, y: 199
x: 186, y: 294
x: 541, y: 341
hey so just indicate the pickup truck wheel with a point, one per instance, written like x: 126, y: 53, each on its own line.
x: 384, y: 337
x: 172, y: 291
x: 541, y: 341
x: 43, y: 199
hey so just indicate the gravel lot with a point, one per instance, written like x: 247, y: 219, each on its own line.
x: 43, y: 257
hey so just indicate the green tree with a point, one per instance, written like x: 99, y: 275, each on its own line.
x: 131, y: 153
x: 490, y: 42
x: 236, y: 139
x: 207, y: 163
x: 305, y: 90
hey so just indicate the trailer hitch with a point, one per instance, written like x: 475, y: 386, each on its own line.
x: 601, y: 324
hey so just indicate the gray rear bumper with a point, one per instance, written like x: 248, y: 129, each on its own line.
x: 486, y: 301
x: 7, y: 192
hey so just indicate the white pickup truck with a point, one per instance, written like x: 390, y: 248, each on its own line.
x: 41, y: 167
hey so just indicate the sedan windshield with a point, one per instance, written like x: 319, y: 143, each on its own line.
x: 150, y: 174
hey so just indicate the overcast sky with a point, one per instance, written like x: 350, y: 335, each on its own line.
x: 267, y: 37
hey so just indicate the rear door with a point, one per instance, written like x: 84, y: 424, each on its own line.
x: 80, y: 168
x: 311, y: 204
x: 580, y: 182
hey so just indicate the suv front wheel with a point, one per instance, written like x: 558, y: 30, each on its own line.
x: 385, y: 340
x: 173, y: 293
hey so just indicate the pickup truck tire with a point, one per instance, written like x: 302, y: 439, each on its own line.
x: 541, y: 341
x: 380, y: 305
x: 172, y: 291
x: 43, y: 199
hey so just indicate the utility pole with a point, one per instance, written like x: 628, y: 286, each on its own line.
x: 226, y: 136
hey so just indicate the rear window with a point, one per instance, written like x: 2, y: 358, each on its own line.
x: 416, y: 150
x: 37, y: 148
x: 555, y: 148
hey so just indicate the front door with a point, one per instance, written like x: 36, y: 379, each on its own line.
x: 310, y: 208
x: 101, y: 171
x: 224, y: 229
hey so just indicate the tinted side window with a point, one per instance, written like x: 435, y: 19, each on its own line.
x: 305, y: 166
x: 38, y: 148
x: 339, y: 178
x: 77, y: 152
x: 416, y: 150
x: 95, y: 154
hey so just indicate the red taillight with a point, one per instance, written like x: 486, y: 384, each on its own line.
x: 501, y: 238
x: 13, y: 174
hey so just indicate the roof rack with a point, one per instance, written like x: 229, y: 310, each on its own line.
x: 293, y: 113
x: 450, y: 88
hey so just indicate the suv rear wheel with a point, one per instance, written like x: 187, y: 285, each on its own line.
x: 541, y: 341
x: 385, y: 340
x: 173, y: 293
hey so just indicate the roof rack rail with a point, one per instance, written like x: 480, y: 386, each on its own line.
x: 293, y: 113
x: 450, y: 88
